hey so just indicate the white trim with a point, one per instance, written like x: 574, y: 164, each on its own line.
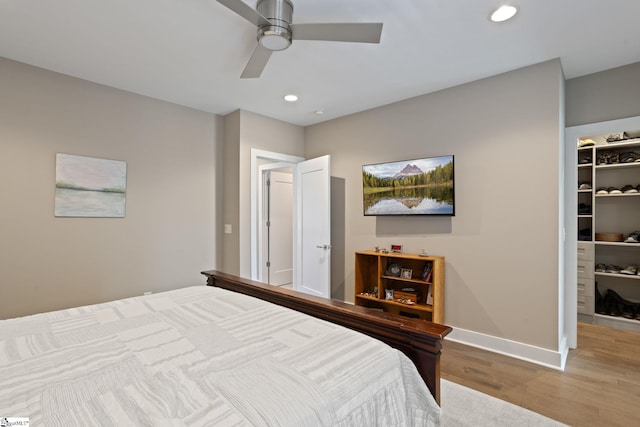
x: 262, y: 170
x: 256, y: 184
x: 518, y: 350
x: 565, y: 323
x: 564, y: 352
x: 570, y: 314
x: 262, y: 175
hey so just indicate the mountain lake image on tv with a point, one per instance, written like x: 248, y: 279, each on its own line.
x: 410, y: 187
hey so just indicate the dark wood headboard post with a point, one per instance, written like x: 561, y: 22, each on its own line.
x: 420, y: 340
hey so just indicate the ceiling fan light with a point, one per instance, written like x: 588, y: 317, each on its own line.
x: 503, y: 13
x: 274, y: 37
x: 274, y: 42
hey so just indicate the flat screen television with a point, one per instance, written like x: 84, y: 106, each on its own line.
x: 409, y: 187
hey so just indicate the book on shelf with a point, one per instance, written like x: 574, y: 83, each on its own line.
x: 428, y: 278
x: 430, y: 295
x: 426, y: 273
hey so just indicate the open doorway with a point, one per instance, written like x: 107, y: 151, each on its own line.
x: 311, y: 221
x: 606, y: 212
x: 263, y: 163
x: 276, y: 227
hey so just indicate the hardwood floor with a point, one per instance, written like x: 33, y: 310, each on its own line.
x: 599, y: 387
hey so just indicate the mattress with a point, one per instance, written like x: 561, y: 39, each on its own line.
x: 203, y: 356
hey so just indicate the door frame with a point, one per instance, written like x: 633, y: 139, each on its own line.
x: 273, y: 161
x: 570, y: 313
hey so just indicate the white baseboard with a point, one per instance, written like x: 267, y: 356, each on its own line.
x: 563, y: 351
x: 541, y: 356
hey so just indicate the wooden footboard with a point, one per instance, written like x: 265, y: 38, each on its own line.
x: 420, y: 340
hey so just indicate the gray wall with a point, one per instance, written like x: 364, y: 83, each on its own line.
x: 231, y: 194
x: 244, y: 131
x: 608, y: 95
x: 167, y: 236
x: 502, y: 247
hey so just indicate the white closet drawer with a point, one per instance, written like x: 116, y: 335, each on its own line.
x: 581, y: 299
x: 585, y: 269
x: 586, y: 302
x: 585, y: 287
x: 585, y: 305
x: 586, y: 251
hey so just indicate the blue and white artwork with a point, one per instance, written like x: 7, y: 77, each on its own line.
x: 90, y: 187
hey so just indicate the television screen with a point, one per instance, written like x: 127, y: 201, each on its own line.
x: 410, y: 187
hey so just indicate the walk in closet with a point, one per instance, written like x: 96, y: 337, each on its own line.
x: 608, y: 220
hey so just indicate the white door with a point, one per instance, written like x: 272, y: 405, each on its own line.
x: 278, y: 228
x: 312, y: 232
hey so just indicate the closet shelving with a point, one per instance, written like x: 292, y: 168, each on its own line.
x: 609, y: 213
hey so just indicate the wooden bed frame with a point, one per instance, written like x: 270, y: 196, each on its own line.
x: 420, y: 340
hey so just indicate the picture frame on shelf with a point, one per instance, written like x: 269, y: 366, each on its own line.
x: 394, y: 270
x: 406, y: 273
x: 388, y: 294
x: 396, y: 249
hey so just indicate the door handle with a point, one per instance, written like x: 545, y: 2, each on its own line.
x: 323, y: 246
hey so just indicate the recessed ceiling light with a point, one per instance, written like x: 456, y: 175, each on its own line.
x: 318, y: 112
x: 291, y: 98
x: 503, y: 13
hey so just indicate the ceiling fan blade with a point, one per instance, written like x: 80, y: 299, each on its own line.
x: 256, y: 63
x: 245, y: 11
x: 354, y: 32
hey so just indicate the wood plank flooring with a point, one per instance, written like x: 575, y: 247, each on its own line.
x: 599, y: 387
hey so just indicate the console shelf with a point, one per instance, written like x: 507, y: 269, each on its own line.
x: 373, y: 280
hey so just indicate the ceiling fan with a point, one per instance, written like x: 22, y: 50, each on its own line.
x: 276, y: 32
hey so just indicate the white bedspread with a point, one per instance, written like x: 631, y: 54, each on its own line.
x: 203, y: 356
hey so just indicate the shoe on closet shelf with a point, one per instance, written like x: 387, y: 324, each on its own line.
x: 618, y: 306
x: 612, y: 305
x: 584, y: 160
x: 613, y: 269
x: 615, y: 137
x: 630, y: 311
x: 601, y: 268
x: 600, y: 305
x: 633, y: 237
x: 586, y: 142
x: 603, y: 158
x: 629, y: 157
x: 584, y: 234
x: 584, y: 209
x: 614, y: 190
x: 628, y: 189
x: 584, y: 186
x: 602, y: 190
x: 631, y: 270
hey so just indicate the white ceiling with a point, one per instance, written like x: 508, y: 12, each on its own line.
x: 191, y: 52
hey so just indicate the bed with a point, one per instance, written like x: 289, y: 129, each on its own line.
x: 205, y: 355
